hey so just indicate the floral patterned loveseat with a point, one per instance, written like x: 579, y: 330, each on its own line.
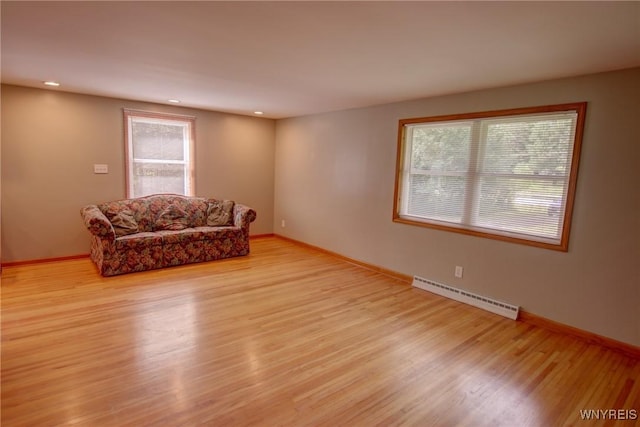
x: 165, y: 230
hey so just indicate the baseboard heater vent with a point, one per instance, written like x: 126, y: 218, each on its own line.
x: 497, y: 307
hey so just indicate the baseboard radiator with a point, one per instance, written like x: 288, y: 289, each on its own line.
x: 494, y: 306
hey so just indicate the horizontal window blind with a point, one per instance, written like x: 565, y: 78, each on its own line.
x: 159, y: 153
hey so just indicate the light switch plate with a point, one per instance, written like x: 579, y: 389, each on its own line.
x: 458, y: 272
x: 100, y: 168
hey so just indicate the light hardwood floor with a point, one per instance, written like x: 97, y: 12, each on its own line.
x: 285, y: 336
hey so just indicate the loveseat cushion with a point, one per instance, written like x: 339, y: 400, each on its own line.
x: 138, y: 241
x: 220, y: 213
x: 194, y: 208
x: 124, y: 223
x: 216, y: 233
x: 172, y: 217
x: 180, y: 236
x: 196, y: 234
x: 139, y: 207
x: 147, y: 209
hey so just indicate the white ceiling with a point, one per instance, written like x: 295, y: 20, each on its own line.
x: 297, y: 58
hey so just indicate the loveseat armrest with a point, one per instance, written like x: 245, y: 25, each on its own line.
x: 243, y: 216
x: 97, y: 223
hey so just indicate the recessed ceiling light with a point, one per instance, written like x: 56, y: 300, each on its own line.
x: 258, y: 113
x: 51, y: 83
x: 174, y: 101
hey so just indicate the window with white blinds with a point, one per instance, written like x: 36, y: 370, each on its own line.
x: 159, y: 151
x: 509, y: 175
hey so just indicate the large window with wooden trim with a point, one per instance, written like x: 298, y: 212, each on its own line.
x: 508, y: 175
x: 159, y: 153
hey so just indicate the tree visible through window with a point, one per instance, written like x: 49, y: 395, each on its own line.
x: 159, y: 153
x: 509, y: 174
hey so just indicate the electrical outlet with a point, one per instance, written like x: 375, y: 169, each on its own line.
x: 283, y: 225
x: 100, y: 168
x: 458, y: 272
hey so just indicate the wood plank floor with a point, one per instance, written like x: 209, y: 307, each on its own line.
x: 286, y: 336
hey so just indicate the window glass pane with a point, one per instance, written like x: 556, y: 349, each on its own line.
x: 436, y: 197
x: 441, y: 147
x: 153, y: 178
x: 157, y: 141
x: 531, y: 147
x: 527, y: 206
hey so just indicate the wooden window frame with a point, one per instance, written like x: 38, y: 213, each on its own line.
x: 563, y: 245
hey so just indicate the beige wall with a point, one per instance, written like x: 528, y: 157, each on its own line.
x: 334, y: 176
x: 51, y: 139
x: 335, y: 181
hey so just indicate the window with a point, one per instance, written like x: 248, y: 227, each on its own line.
x: 508, y: 175
x: 159, y: 151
